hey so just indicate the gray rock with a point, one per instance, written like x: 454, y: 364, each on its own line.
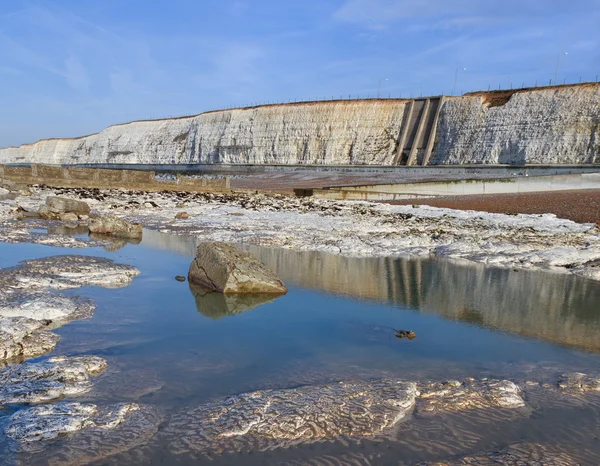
x: 45, y: 213
x: 576, y: 382
x: 27, y: 309
x: 454, y: 396
x: 48, y: 380
x: 279, y: 418
x: 48, y: 422
x: 69, y: 271
x: 224, y: 268
x: 115, y: 226
x: 43, y: 305
x: 61, y: 205
x: 24, y: 338
x: 80, y: 434
x: 69, y: 217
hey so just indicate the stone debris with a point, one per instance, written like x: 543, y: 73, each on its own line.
x: 182, y: 216
x: 524, y: 454
x: 115, y: 226
x: 459, y: 396
x: 576, y: 382
x: 48, y: 380
x: 224, y: 268
x: 361, y: 228
x: 277, y: 418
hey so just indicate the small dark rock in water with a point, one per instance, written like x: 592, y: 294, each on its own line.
x: 405, y: 334
x: 180, y: 278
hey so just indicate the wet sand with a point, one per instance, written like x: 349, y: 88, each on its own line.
x: 581, y: 206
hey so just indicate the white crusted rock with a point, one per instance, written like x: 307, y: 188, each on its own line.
x: 24, y: 338
x: 276, y: 418
x: 577, y: 382
x: 471, y: 394
x: 45, y: 306
x: 47, y: 422
x: 48, y: 380
x: 64, y: 272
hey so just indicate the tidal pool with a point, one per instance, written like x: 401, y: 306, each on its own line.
x: 170, y: 347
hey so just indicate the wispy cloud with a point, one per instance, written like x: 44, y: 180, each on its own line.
x: 70, y: 67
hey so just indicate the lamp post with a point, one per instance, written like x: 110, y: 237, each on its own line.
x: 456, y: 78
x: 557, y: 62
x: 379, y: 87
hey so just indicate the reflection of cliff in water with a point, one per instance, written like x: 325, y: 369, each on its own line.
x: 559, y: 308
x: 555, y: 307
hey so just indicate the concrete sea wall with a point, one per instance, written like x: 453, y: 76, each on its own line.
x: 541, y: 126
x: 104, y: 178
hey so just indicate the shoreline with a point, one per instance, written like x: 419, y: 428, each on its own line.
x: 349, y: 228
x: 581, y: 206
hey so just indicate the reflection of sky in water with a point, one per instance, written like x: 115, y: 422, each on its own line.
x: 319, y: 331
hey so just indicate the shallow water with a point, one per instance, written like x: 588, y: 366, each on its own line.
x: 167, y: 348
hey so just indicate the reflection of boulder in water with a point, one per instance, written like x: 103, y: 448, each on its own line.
x: 114, y: 243
x: 74, y: 230
x: 216, y: 305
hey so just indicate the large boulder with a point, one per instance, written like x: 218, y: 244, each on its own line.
x: 224, y: 268
x: 115, y: 226
x: 61, y: 205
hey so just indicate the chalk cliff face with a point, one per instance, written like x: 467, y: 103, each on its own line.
x: 313, y: 133
x: 558, y: 125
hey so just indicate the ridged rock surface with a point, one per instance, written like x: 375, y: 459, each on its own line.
x: 44, y: 381
x: 275, y: 418
x: 322, y: 133
x: 540, y: 126
x: 545, y: 126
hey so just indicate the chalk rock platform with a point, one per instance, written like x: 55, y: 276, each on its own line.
x: 21, y: 337
x: 77, y: 434
x: 277, y: 418
x: 48, y: 380
x: 28, y: 309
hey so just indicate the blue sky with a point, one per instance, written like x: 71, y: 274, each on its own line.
x: 73, y: 67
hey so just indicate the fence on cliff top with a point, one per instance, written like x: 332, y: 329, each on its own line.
x: 355, y: 97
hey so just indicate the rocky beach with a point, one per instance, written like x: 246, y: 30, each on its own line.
x: 52, y: 422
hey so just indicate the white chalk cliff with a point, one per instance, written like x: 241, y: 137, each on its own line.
x: 554, y: 125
